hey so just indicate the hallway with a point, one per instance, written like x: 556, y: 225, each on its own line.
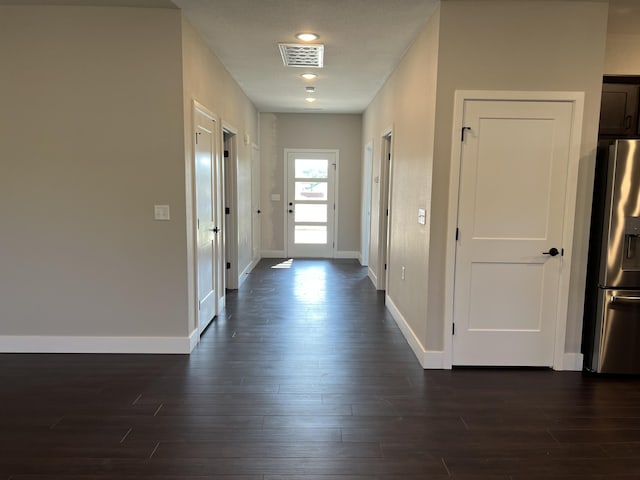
x: 307, y: 377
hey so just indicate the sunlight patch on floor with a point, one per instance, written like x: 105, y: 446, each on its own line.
x: 285, y: 264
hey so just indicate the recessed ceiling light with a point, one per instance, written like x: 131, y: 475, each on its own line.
x: 310, y: 99
x: 310, y: 89
x: 307, y: 37
x: 309, y: 76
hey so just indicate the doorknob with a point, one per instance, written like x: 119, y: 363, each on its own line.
x: 258, y: 212
x: 290, y: 211
x: 552, y: 251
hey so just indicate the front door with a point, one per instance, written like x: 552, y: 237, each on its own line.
x: 207, y: 226
x: 510, y: 222
x: 311, y: 203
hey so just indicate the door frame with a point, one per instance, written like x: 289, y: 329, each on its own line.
x: 384, y: 219
x: 192, y: 221
x: 230, y: 199
x: 367, y: 173
x: 256, y: 209
x: 461, y: 96
x: 336, y: 179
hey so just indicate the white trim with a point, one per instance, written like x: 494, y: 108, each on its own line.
x: 194, y: 339
x: 373, y: 277
x: 272, y: 254
x: 347, y: 254
x: 365, y: 214
x: 577, y: 98
x: 191, y: 215
x: 572, y: 362
x: 245, y: 273
x: 73, y: 344
x: 428, y: 359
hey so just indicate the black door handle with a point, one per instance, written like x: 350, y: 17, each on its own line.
x: 552, y: 251
x: 258, y: 212
x: 290, y: 211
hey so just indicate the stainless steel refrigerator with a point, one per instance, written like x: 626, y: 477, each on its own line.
x: 611, y: 337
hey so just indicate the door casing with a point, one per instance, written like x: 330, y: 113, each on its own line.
x: 191, y: 219
x: 461, y: 96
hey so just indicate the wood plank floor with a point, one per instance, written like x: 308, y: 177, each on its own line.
x: 307, y: 377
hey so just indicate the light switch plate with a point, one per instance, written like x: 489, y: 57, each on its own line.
x: 422, y: 216
x: 161, y: 212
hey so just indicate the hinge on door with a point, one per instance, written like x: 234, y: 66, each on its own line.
x: 453, y: 329
x: 387, y: 212
x: 457, y: 233
x: 198, y: 224
x: 226, y: 154
x: 385, y: 266
x: 562, y: 252
x: 228, y: 265
x: 462, y: 133
x: 389, y: 156
x: 197, y: 133
x: 227, y: 210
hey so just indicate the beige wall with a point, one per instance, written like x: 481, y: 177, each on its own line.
x: 481, y: 45
x: 313, y: 131
x: 623, y: 54
x: 207, y: 81
x: 407, y: 105
x: 92, y: 137
x: 511, y: 52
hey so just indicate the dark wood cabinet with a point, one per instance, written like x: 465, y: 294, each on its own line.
x: 619, y: 109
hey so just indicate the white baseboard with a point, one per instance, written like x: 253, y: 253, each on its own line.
x: 71, y: 344
x: 573, y: 362
x: 347, y: 254
x: 429, y: 359
x: 373, y: 277
x: 245, y: 273
x: 272, y: 254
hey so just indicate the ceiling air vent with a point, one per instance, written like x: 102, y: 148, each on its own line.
x: 302, y: 55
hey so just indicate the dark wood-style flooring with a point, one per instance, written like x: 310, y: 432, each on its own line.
x: 307, y: 377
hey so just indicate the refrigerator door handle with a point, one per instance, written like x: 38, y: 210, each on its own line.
x: 615, y: 299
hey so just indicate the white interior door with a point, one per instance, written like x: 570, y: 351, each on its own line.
x: 207, y: 246
x: 255, y: 204
x: 511, y: 207
x: 311, y: 203
x: 366, y: 204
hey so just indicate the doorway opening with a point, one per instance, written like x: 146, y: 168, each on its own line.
x: 229, y: 140
x: 366, y: 204
x: 385, y: 208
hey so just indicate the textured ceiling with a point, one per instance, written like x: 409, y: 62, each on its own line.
x: 364, y: 40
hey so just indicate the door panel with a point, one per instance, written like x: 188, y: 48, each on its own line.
x: 511, y: 209
x: 311, y: 203
x: 207, y: 251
